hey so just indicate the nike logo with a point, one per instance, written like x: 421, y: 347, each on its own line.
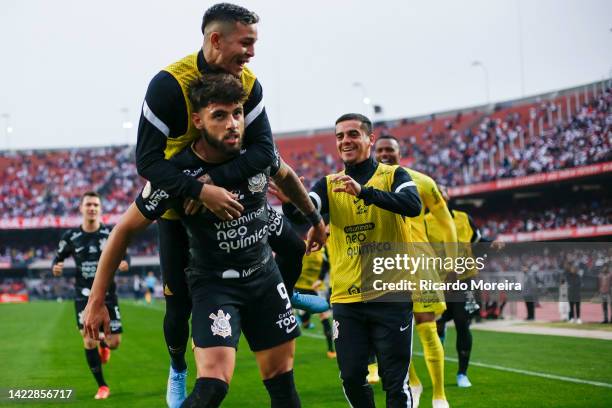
x: 404, y: 328
x: 77, y: 250
x: 290, y: 329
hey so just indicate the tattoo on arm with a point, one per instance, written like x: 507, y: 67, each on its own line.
x: 289, y: 183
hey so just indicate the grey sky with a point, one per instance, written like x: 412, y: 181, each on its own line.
x: 69, y: 67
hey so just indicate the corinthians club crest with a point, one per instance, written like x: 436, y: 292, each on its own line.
x: 257, y: 183
x: 221, y: 325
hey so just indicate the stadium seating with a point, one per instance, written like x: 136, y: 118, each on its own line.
x: 461, y: 148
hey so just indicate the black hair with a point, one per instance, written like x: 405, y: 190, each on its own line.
x: 388, y: 137
x: 215, y: 88
x: 366, y: 124
x: 89, y: 194
x: 228, y: 13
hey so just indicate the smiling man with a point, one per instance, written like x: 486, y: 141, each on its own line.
x: 368, y: 200
x: 165, y: 128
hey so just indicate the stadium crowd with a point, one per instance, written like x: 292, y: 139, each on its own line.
x: 44, y: 183
x: 502, y: 147
x: 49, y: 183
x: 526, y: 219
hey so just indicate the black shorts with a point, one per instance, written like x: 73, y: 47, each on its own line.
x: 112, y: 304
x: 258, y: 305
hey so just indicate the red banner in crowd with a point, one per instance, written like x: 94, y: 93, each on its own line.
x: 557, y: 234
x: 8, y: 298
x: 51, y: 222
x: 510, y: 183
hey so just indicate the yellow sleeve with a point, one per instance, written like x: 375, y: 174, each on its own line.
x: 431, y: 194
x: 443, y: 218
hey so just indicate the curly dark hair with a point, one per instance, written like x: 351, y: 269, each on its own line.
x: 215, y: 88
x: 228, y: 13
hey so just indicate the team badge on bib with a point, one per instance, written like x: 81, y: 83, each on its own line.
x: 221, y: 325
x: 257, y: 183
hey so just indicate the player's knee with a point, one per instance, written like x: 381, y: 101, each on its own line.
x: 114, y: 341
x: 276, y: 361
x: 277, y: 369
x: 353, y: 377
x: 462, y: 325
x: 424, y: 317
x: 208, y: 392
x: 215, y: 362
x: 89, y: 343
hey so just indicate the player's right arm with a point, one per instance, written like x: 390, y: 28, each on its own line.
x: 96, y: 314
x: 64, y: 250
x: 147, y: 207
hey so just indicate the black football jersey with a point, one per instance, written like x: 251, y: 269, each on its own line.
x: 229, y: 249
x: 85, y: 248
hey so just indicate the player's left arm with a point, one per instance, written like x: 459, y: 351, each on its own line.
x: 403, y: 199
x: 259, y: 145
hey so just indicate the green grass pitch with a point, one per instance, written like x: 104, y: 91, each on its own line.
x: 41, y: 348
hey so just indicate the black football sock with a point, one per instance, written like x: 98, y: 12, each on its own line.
x: 282, y: 391
x: 207, y: 393
x: 176, y: 329
x: 95, y: 365
x: 328, y: 334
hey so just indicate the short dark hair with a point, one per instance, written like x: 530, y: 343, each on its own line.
x: 89, y: 194
x: 366, y: 124
x: 215, y: 88
x: 228, y: 13
x: 388, y: 137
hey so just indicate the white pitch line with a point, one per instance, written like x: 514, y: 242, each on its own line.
x: 502, y: 368
x: 531, y: 373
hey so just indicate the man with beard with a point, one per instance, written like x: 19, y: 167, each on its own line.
x: 234, y: 282
x: 165, y: 128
